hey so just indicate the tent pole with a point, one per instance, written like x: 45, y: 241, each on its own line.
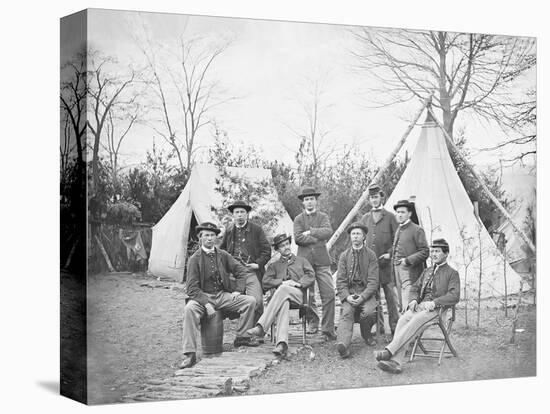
x: 483, y: 186
x: 353, y: 212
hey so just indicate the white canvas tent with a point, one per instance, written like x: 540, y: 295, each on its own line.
x: 444, y: 210
x: 201, y: 199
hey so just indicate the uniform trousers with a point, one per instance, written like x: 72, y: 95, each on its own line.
x: 323, y: 277
x: 278, y: 309
x: 365, y: 314
x: 391, y: 303
x: 254, y: 288
x: 223, y: 301
x: 407, y: 329
x: 403, y: 273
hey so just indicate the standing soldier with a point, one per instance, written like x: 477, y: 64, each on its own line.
x: 409, y: 251
x: 246, y: 242
x: 312, y: 229
x: 382, y: 225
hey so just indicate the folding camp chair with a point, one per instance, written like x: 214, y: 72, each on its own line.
x: 303, y: 309
x: 445, y: 328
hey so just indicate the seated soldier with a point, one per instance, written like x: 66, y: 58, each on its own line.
x: 208, y: 288
x: 438, y: 286
x: 289, y: 274
x: 356, y: 286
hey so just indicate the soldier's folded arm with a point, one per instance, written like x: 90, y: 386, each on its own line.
x: 453, y: 292
x: 299, y: 237
x: 324, y: 230
x: 423, y: 250
x: 373, y: 280
x: 194, y: 290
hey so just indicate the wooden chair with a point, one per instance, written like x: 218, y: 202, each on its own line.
x: 445, y: 327
x: 303, y: 309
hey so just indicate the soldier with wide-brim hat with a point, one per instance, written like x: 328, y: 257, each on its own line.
x: 207, y: 226
x: 239, y: 204
x: 279, y: 238
x: 307, y: 192
x: 357, y: 225
x: 246, y: 241
x: 312, y: 230
x: 404, y: 203
x: 442, y: 244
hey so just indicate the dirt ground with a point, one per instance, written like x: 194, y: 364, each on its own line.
x: 483, y: 354
x: 134, y: 334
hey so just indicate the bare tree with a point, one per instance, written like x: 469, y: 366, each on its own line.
x: 73, y: 103
x: 119, y: 124
x: 314, y: 150
x: 106, y: 90
x: 184, y: 89
x: 66, y: 148
x: 471, y: 72
x: 522, y: 118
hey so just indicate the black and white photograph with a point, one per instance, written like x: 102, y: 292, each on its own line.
x: 253, y: 207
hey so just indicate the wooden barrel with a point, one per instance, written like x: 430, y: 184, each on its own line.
x: 212, y: 334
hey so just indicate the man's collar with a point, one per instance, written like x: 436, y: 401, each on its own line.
x: 356, y: 249
x: 241, y: 227
x: 437, y: 266
x: 212, y: 250
x: 405, y: 223
x: 309, y: 213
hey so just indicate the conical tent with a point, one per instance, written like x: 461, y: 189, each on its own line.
x: 202, y: 199
x: 445, y: 210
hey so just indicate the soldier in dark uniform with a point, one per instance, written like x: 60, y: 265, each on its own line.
x: 382, y: 225
x: 246, y: 241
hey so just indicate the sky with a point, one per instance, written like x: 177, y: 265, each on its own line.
x: 267, y: 67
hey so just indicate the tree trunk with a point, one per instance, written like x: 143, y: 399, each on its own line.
x: 95, y: 159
